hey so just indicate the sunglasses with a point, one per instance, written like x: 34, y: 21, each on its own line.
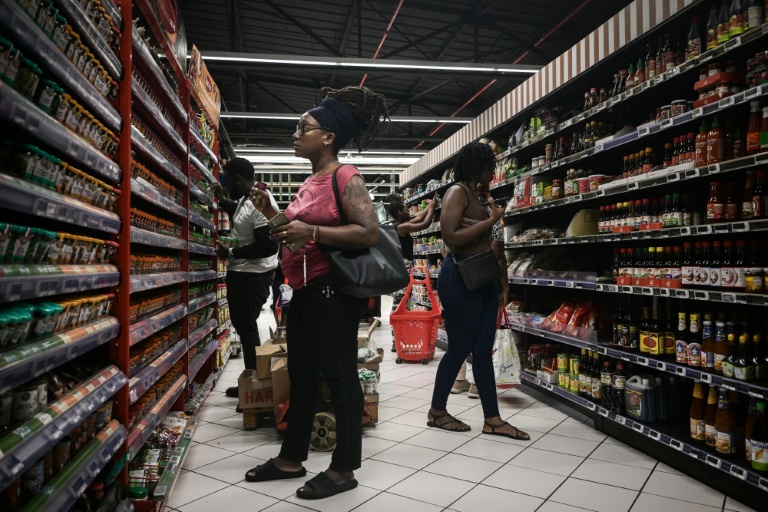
x: 301, y: 128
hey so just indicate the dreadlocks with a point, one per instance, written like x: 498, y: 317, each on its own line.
x: 472, y: 160
x: 370, y: 111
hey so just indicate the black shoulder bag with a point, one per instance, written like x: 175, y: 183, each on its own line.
x: 369, y: 272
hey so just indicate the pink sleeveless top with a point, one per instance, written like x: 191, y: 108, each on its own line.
x: 314, y: 204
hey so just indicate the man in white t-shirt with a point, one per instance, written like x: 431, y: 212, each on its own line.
x: 251, y: 262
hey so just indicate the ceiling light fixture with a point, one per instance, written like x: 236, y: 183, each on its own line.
x: 295, y: 117
x: 355, y: 160
x: 266, y: 150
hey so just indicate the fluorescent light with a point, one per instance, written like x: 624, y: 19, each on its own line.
x: 413, y: 119
x: 355, y: 160
x: 295, y: 117
x: 254, y: 149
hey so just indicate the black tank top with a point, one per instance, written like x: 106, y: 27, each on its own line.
x: 406, y: 242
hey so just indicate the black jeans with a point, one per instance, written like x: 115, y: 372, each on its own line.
x: 247, y: 292
x: 322, y: 339
x: 470, y: 323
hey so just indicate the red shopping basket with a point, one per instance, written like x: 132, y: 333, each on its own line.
x: 416, y: 331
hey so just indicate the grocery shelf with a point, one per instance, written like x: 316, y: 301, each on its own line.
x: 752, y: 299
x: 31, y: 199
x: 556, y: 283
x: 144, y: 380
x: 145, y: 190
x: 148, y: 9
x: 25, y: 445
x: 142, y: 56
x: 142, y: 282
x: 428, y: 193
x: 647, y: 181
x: 202, y: 275
x: 422, y: 275
x: 37, y: 357
x: 201, y: 249
x: 201, y: 302
x: 113, y: 12
x: 23, y: 29
x: 223, y: 327
x: 16, y: 111
x: 66, y: 487
x: 430, y: 230
x: 208, y: 150
x: 695, y: 452
x: 143, y: 328
x: 200, y: 195
x: 192, y: 407
x: 201, y: 357
x: 158, y: 160
x: 171, y: 472
x: 152, y: 112
x: 419, y: 252
x: 200, y: 221
x: 221, y: 302
x: 202, y: 331
x: 23, y: 282
x: 746, y: 226
x: 139, y: 435
x: 221, y: 275
x: 202, y: 168
x: 756, y: 390
x: 91, y: 37
x: 144, y: 237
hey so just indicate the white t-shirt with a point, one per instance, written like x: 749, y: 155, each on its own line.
x: 244, y: 221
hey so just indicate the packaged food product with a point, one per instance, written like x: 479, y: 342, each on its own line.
x: 24, y: 402
x: 27, y: 78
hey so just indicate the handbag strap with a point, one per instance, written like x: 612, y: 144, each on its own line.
x: 335, y: 185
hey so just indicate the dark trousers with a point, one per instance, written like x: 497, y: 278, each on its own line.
x: 247, y: 292
x: 470, y: 323
x: 322, y: 339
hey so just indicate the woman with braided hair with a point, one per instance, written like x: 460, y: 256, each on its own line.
x: 322, y: 327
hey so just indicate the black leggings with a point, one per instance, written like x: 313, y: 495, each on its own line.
x: 247, y: 293
x: 322, y: 338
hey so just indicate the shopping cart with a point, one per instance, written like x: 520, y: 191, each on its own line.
x: 415, y: 332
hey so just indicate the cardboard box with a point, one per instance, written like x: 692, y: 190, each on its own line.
x: 264, y: 355
x: 254, y: 393
x: 374, y: 364
x: 584, y: 223
x: 362, y: 341
x: 281, y: 384
x: 374, y: 410
x: 372, y: 399
x: 275, y: 338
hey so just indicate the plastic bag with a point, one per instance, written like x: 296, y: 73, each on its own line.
x: 286, y: 294
x: 506, y: 361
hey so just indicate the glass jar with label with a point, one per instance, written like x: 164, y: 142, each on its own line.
x: 48, y: 96
x: 27, y: 78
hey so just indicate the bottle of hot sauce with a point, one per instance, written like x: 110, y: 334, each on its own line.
x: 710, y: 432
x: 715, y: 144
x: 701, y: 146
x: 753, y: 128
x: 698, y: 414
x: 715, y: 206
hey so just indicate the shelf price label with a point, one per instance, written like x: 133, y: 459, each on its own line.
x: 638, y: 427
x: 654, y: 435
x: 602, y: 412
x: 642, y: 360
x: 697, y: 112
x: 677, y: 445
x: 621, y: 420
x: 666, y: 123
x: 591, y: 406
x: 751, y: 93
x: 705, y: 377
x: 737, y: 472
x: 725, y: 102
x: 680, y: 370
x: 714, y: 461
x: 732, y: 43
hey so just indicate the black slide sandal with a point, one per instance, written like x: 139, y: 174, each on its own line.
x: 443, y: 426
x: 516, y: 436
x: 268, y: 471
x: 321, y: 486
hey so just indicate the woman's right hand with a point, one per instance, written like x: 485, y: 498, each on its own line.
x: 262, y: 202
x: 496, y: 212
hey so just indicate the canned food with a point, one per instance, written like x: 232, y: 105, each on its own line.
x: 25, y: 402
x: 32, y: 480
x: 575, y: 364
x: 574, y: 384
x: 563, y: 362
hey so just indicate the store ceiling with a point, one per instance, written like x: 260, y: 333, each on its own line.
x: 475, y: 32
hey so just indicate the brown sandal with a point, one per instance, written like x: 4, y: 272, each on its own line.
x: 516, y: 435
x: 433, y: 423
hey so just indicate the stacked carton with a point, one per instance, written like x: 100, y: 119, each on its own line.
x: 262, y: 390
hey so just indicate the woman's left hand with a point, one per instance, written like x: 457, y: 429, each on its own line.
x: 295, y: 232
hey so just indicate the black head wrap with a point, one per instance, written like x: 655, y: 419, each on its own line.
x: 339, y: 118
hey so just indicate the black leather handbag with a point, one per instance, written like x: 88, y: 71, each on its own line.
x: 479, y: 270
x: 370, y: 272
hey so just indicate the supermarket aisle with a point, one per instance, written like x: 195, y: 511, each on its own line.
x: 566, y: 467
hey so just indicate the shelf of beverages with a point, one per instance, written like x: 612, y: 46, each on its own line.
x: 678, y: 293
x: 223, y: 327
x: 24, y: 282
x: 144, y: 237
x: 201, y: 302
x: 201, y: 332
x: 139, y: 435
x: 200, y: 195
x: 31, y: 199
x: 27, y: 443
x: 171, y: 472
x: 142, y: 56
x: 91, y: 36
x: 146, y: 191
x: 147, y: 377
x: 152, y: 112
x: 201, y: 357
x: 205, y: 146
x: 203, y: 275
x: 554, y: 283
x: 201, y: 249
x: 21, y: 364
x: 154, y: 156
x: 202, y: 168
x: 22, y: 28
x: 696, y: 452
x: 429, y: 192
x: 143, y: 282
x: 200, y: 221
x: 144, y: 328
x: 66, y: 487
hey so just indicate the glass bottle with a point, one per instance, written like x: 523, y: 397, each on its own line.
x: 701, y: 145
x: 698, y: 413
x: 710, y: 432
x: 721, y: 346
x: 759, y: 439
x: 694, y: 341
x: 760, y: 196
x: 715, y: 206
x: 743, y: 368
x: 694, y: 46
x: 731, y: 203
x: 712, y: 28
x: 707, y: 345
x: 650, y: 63
x: 754, y: 10
x: 660, y: 58
x: 730, y: 360
x: 739, y: 145
x: 738, y: 19
x: 723, y: 22
x: 669, y: 54
x: 715, y: 144
x: 681, y: 338
x: 753, y: 128
x: 620, y: 376
x: 764, y: 130
x: 725, y: 425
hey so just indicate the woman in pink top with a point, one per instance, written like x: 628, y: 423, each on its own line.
x: 322, y: 327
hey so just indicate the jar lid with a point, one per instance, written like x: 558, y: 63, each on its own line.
x: 138, y: 493
x: 679, y: 102
x: 31, y: 65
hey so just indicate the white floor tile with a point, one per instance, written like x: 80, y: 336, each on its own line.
x: 619, y: 475
x: 623, y: 455
x: 419, y: 394
x: 284, y: 506
x: 393, y: 388
x: 551, y: 506
x: 403, y: 402
x: 578, y: 431
x: 235, y: 422
x: 599, y: 497
x: 374, y: 445
x: 393, y: 431
x: 568, y: 445
x: 190, y: 487
x: 550, y: 462
x: 318, y: 461
x: 214, y: 413
x: 280, y: 489
x: 265, y: 451
x: 463, y: 467
x: 667, y: 469
x: 409, y: 456
x: 529, y: 423
x: 482, y: 448
x: 389, y: 413
x: 525, y: 481
x: 241, y: 441
x: 386, y: 502
x: 221, y: 400
x: 489, y: 498
x: 412, y: 418
x: 210, y: 431
x: 542, y: 410
x: 381, y: 475
x: 435, y: 489
x: 438, y: 440
x: 231, y: 470
x: 677, y: 486
x: 652, y: 503
x: 343, y: 502
x: 733, y: 505
x: 231, y: 498
x: 203, y: 454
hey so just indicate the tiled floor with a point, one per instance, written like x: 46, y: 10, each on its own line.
x: 408, y: 467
